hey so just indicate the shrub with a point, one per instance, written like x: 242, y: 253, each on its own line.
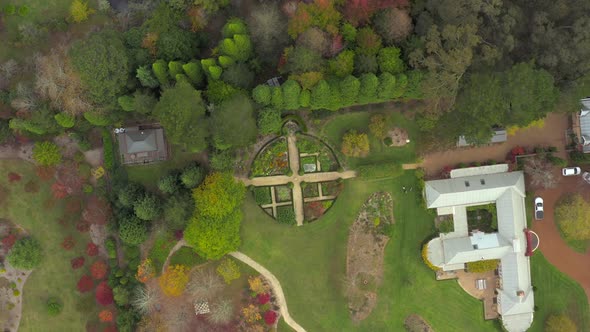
x: 108, y: 154
x: 85, y: 284
x: 54, y: 306
x: 556, y: 161
x: 147, y: 207
x: 91, y: 249
x: 10, y: 9
x: 80, y: 11
x: 23, y: 11
x: 446, y: 226
x: 263, y: 298
x: 46, y: 153
x: 121, y: 294
x: 77, y: 262
x: 270, y: 317
x: 426, y: 260
x: 482, y: 266
x: 262, y: 195
x: 104, y: 294
x: 65, y: 120
x: 368, y: 42
x: 378, y: 126
x: 355, y: 144
x: 269, y: 121
x: 221, y: 312
x: 262, y: 94
x: 145, y: 271
x: 174, y: 280
x: 228, y: 270
x: 168, y: 184
x: 106, y: 316
x: 132, y: 231
x: 145, y: 300
x: 98, y: 270
x: 389, y: 60
x: 192, y: 176
x: 26, y: 254
x: 111, y: 247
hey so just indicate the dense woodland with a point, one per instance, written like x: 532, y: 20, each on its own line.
x: 200, y: 69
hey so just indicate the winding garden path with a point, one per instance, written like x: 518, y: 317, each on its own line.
x: 276, y: 285
x: 297, y: 179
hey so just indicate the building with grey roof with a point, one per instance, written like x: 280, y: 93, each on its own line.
x: 451, y: 251
x: 581, y: 124
x: 142, y: 145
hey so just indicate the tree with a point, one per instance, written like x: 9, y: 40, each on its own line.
x: 105, y: 316
x: 143, y: 103
x: 364, y: 64
x: 85, y: 284
x: 290, y: 92
x: 218, y: 196
x: 103, y: 64
x: 540, y: 171
x: 239, y: 47
x: 129, y: 194
x: 132, y: 230
x: 389, y: 60
x: 233, y: 123
x: 147, y: 207
x: 80, y: 11
x: 98, y: 270
x: 192, y: 176
x: 46, y: 153
x: 355, y: 144
x: 239, y: 75
x: 387, y: 88
x: 54, y: 306
x: 26, y: 254
x: 368, y: 88
x: 146, y: 77
x: 222, y: 160
x: 145, y: 299
x: 378, y: 126
x: 316, y: 40
x: 194, y: 72
x: 321, y: 96
x: 228, y: 270
x: 169, y: 184
x: 178, y: 210
x: 560, y: 323
x: 301, y: 59
x: 182, y: 114
x: 269, y: 121
x: 368, y: 42
x: 349, y: 90
x: 393, y: 25
x: 343, y: 64
x: 174, y: 280
x: 262, y: 94
x: 571, y: 215
x: 121, y: 295
x: 268, y: 29
x: 104, y: 294
x: 219, y: 91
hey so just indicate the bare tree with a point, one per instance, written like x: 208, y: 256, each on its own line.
x: 9, y: 69
x: 204, y: 284
x: 268, y: 28
x: 221, y: 312
x: 25, y: 98
x: 145, y: 300
x: 540, y: 172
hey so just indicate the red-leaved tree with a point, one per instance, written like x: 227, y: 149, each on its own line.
x: 270, y: 317
x: 263, y: 298
x: 59, y: 191
x: 110, y: 328
x: 91, y: 249
x: 98, y: 270
x: 105, y: 316
x: 85, y: 284
x: 361, y: 11
x: 77, y: 262
x: 104, y: 294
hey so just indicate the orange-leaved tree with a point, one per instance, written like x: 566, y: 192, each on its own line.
x: 173, y: 281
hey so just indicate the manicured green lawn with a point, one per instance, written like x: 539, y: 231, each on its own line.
x: 309, y: 262
x: 54, y: 277
x: 148, y: 175
x: 336, y: 127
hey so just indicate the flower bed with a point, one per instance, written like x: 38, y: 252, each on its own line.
x: 283, y: 193
x: 308, y: 144
x: 310, y: 190
x: 332, y: 188
x: 272, y: 160
x: 314, y: 210
x: 262, y: 195
x: 286, y: 215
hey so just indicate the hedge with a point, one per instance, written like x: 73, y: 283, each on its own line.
x: 426, y: 260
x: 482, y: 266
x: 109, y: 157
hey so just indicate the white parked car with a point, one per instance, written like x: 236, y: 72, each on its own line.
x: 539, y: 208
x: 569, y: 171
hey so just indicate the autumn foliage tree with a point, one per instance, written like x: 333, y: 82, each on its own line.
x: 80, y: 11
x: 85, y: 284
x: 104, y: 294
x: 106, y: 316
x: 355, y: 144
x: 145, y: 271
x: 98, y: 270
x: 173, y: 281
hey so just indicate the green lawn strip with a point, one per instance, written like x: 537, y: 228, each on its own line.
x: 54, y: 277
x: 159, y: 251
x: 317, y: 254
x: 557, y: 293
x: 336, y: 127
x: 186, y: 256
x: 148, y: 175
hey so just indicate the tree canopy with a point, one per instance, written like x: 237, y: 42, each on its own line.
x: 26, y: 254
x: 571, y: 214
x: 233, y: 123
x: 181, y: 112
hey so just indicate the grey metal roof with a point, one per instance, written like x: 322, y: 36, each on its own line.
x: 585, y: 121
x: 141, y: 141
x: 472, y: 190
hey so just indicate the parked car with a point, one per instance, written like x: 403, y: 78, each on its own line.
x: 586, y: 177
x: 538, y: 208
x: 570, y: 171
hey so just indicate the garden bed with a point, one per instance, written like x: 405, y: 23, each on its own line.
x: 286, y: 215
x: 262, y: 195
x: 482, y: 218
x: 273, y: 159
x: 415, y: 323
x: 367, y: 239
x: 332, y: 188
x: 310, y: 190
x: 314, y: 210
x: 308, y: 164
x: 311, y: 145
x: 283, y: 193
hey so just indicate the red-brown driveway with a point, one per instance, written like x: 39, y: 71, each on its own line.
x: 552, y: 245
x: 552, y: 134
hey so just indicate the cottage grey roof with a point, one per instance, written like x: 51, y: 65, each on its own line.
x: 585, y: 121
x: 141, y: 141
x: 500, y: 135
x: 451, y: 251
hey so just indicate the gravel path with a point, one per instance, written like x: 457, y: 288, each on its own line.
x: 276, y: 285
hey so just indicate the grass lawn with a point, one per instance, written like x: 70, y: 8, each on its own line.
x: 336, y: 127
x: 54, y: 277
x: 556, y: 293
x: 148, y: 175
x: 316, y: 254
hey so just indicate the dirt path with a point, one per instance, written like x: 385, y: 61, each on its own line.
x: 553, y: 247
x: 276, y: 285
x: 19, y: 277
x: 553, y: 133
x: 14, y: 151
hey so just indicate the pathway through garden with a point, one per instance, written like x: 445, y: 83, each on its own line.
x: 276, y: 285
x: 297, y: 179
